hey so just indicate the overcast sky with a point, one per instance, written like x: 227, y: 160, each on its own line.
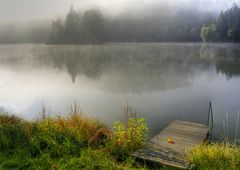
x: 24, y: 10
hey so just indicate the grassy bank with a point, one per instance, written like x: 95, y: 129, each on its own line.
x: 73, y: 142
x: 216, y: 156
x: 79, y: 142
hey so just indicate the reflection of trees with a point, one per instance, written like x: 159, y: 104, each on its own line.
x: 228, y: 62
x: 226, y: 58
x: 133, y: 67
x: 229, y: 68
x: 137, y: 67
x: 76, y: 60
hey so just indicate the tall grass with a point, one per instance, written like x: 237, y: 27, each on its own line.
x: 48, y: 140
x: 215, y: 156
x: 236, y: 129
x: 226, y: 128
x: 72, y: 142
x: 224, y: 155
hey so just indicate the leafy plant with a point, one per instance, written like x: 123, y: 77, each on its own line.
x: 129, y: 135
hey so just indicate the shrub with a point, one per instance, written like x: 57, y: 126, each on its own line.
x: 68, y: 135
x: 14, y: 132
x: 128, y: 135
x: 216, y: 156
x: 132, y: 137
x: 78, y: 125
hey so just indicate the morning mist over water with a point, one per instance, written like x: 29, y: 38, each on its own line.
x: 162, y: 81
x: 119, y: 84
x: 104, y: 54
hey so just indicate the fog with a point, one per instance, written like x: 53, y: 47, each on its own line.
x: 45, y: 21
x: 25, y: 10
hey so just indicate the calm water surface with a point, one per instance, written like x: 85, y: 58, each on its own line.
x: 162, y: 81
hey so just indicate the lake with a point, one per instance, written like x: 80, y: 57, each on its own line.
x: 162, y: 81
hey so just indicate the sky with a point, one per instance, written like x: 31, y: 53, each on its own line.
x: 25, y: 10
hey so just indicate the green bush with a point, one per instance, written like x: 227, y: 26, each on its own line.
x: 133, y: 136
x: 14, y: 132
x: 128, y: 136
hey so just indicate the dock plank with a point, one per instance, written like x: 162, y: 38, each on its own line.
x: 185, y: 136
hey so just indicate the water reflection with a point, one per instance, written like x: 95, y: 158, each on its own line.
x: 163, y: 81
x: 225, y: 57
x: 172, y: 64
x: 143, y: 67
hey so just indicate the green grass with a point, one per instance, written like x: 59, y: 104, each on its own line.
x: 73, y: 142
x: 79, y: 142
x: 216, y: 156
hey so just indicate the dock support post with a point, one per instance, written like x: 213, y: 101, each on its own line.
x: 210, y: 118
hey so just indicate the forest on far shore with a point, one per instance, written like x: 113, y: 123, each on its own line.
x: 92, y: 26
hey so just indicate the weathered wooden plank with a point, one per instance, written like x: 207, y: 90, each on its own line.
x: 185, y: 136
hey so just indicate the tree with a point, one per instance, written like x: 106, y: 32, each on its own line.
x: 234, y: 23
x: 195, y: 33
x: 209, y: 33
x: 222, y: 27
x: 228, y: 24
x: 92, y: 27
x: 72, y: 27
x: 57, y: 34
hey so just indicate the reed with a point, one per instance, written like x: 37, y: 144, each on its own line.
x: 226, y: 137
x: 236, y: 129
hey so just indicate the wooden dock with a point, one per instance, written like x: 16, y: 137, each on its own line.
x: 170, y: 145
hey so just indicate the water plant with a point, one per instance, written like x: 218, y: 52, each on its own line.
x: 227, y: 138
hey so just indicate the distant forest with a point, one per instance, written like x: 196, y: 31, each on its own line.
x: 92, y: 26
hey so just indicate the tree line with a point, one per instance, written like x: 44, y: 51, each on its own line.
x: 225, y: 29
x: 92, y: 26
